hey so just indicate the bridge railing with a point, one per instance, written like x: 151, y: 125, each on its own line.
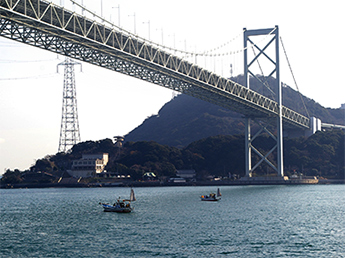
x: 51, y: 27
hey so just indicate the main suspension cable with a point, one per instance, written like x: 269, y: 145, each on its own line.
x: 207, y: 53
x: 287, y: 59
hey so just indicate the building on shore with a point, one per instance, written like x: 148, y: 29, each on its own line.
x: 184, y: 175
x: 89, y: 165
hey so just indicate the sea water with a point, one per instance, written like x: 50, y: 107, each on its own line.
x: 249, y: 221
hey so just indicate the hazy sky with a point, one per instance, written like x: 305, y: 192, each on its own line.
x: 112, y: 104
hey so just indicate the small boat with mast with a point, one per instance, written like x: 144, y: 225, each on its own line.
x: 212, y: 197
x: 121, y: 205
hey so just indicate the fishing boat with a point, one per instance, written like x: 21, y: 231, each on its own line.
x: 212, y: 197
x: 121, y: 205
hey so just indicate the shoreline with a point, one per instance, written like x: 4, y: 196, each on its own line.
x: 168, y: 184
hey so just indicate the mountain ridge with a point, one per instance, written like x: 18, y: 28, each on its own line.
x: 186, y: 119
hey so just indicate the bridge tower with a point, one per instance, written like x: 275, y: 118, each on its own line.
x: 273, y: 39
x: 69, y: 132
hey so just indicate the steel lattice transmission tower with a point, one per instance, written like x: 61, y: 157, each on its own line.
x: 69, y: 132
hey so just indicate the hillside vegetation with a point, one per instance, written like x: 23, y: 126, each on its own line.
x: 322, y: 154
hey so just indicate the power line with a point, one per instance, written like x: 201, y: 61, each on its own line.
x: 29, y: 77
x: 26, y: 61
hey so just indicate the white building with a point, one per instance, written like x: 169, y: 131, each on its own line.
x: 89, y: 165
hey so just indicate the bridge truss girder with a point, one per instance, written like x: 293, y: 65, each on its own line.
x: 47, y: 26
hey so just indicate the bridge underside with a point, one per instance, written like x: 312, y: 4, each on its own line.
x: 52, y: 28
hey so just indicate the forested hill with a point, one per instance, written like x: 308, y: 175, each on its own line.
x: 186, y: 119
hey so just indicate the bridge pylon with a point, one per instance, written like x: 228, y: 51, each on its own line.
x: 272, y: 35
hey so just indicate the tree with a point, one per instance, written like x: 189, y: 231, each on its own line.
x: 12, y: 177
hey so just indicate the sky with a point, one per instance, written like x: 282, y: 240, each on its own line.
x: 111, y: 104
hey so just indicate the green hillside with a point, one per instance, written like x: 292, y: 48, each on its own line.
x: 322, y: 155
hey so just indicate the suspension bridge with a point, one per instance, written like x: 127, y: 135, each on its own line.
x: 52, y: 27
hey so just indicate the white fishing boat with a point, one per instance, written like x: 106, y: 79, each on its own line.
x: 121, y: 205
x: 212, y: 197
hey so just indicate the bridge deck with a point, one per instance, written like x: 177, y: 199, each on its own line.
x: 45, y: 25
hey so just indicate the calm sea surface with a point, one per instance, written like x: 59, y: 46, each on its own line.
x: 249, y: 221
